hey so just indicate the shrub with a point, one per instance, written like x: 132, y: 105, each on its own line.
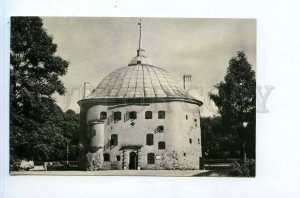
x: 95, y: 161
x: 170, y: 160
x: 15, y: 163
x: 243, y: 168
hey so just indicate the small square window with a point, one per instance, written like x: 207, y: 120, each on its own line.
x: 186, y: 117
x: 118, y: 158
x: 161, y: 115
x: 150, y: 158
x: 149, y: 139
x: 161, y: 145
x: 148, y: 115
x: 114, y: 140
x: 117, y: 116
x: 184, y: 154
x: 190, y: 140
x: 132, y: 115
x: 106, y: 157
x: 103, y: 115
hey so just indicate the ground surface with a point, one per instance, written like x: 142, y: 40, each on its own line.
x: 164, y: 173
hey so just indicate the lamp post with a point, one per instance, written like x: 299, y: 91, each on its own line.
x: 245, y: 124
x: 67, y: 152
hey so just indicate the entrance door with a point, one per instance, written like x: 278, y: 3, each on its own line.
x: 133, y: 161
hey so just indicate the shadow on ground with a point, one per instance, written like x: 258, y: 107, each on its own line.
x: 213, y: 173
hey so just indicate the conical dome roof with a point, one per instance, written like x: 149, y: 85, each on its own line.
x: 140, y: 80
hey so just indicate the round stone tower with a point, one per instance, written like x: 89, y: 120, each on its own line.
x: 139, y: 117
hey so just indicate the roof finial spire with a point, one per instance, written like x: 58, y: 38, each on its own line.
x: 140, y: 24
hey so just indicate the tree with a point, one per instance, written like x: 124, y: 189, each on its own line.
x: 236, y: 101
x: 55, y: 135
x: 216, y: 142
x: 34, y: 77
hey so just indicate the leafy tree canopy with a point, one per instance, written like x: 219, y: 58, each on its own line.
x: 236, y: 100
x: 236, y: 94
x: 34, y: 69
x: 39, y: 129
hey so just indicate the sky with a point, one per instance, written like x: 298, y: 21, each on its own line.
x: 200, y: 47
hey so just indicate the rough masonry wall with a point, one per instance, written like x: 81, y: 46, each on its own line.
x: 182, y: 123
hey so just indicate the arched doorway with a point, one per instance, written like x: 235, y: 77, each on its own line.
x: 133, y: 161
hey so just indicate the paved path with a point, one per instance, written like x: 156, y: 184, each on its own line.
x: 164, y: 173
